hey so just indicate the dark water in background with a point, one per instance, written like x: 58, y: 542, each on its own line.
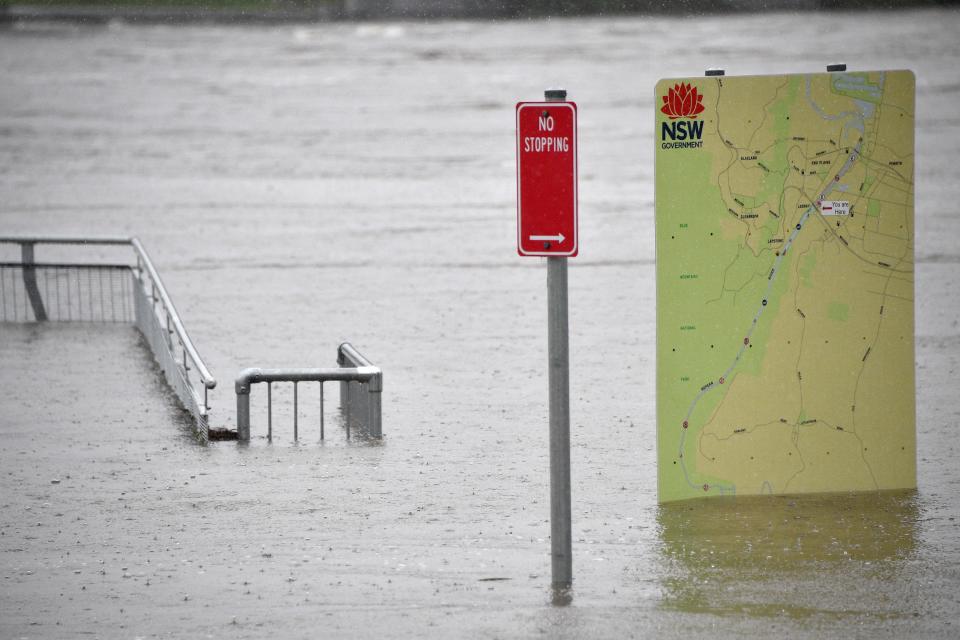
x: 298, y: 186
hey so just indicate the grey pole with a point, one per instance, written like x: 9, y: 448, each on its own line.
x: 243, y: 414
x: 561, y: 547
x: 30, y: 282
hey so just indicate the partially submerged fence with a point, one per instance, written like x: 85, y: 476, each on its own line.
x: 163, y: 329
x: 90, y: 291
x: 361, y: 385
x: 131, y: 290
x: 64, y: 291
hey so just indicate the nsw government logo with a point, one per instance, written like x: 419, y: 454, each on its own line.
x: 682, y: 105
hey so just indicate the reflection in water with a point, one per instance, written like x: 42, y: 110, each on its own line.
x: 795, y: 556
x: 561, y: 597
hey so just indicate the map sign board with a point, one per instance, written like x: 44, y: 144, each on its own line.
x: 785, y: 320
x: 547, y: 179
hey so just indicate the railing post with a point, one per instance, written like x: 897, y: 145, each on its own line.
x: 30, y: 281
x: 374, y: 394
x: 243, y: 412
x: 349, y: 396
x: 295, y: 434
x: 344, y: 387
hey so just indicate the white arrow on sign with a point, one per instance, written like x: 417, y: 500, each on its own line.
x: 557, y: 238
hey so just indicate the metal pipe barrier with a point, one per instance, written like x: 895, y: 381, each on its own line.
x: 158, y: 320
x: 102, y: 292
x: 38, y: 292
x: 361, y: 386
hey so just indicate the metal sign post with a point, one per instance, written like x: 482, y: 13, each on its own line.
x: 558, y: 340
x: 547, y: 226
x: 559, y: 375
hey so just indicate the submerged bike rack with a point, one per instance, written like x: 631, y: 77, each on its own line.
x: 133, y: 292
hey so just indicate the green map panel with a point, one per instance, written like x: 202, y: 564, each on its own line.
x: 785, y: 323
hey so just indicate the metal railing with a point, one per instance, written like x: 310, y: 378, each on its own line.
x: 65, y: 292
x: 32, y: 291
x: 361, y: 385
x: 159, y: 322
x: 108, y: 292
x: 102, y: 291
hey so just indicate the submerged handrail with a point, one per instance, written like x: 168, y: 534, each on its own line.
x: 157, y: 319
x: 96, y: 240
x: 154, y: 314
x: 208, y: 380
x: 144, y: 261
x: 364, y: 404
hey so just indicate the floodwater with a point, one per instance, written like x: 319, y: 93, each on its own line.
x: 298, y: 186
